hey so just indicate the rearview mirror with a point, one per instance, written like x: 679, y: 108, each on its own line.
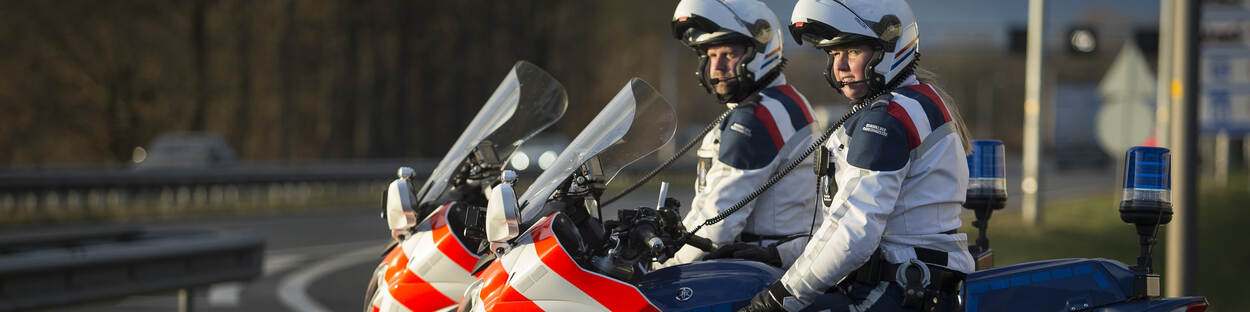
x: 399, y: 203
x: 502, y: 217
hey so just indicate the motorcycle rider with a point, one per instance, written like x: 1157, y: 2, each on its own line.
x: 739, y: 45
x: 898, y: 173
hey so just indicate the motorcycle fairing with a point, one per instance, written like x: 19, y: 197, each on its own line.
x: 429, y: 271
x: 1052, y: 285
x: 716, y: 284
x: 635, y: 123
x: 540, y: 258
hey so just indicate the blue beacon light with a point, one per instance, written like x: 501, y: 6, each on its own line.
x: 1147, y: 174
x: 1147, y: 201
x: 987, y: 191
x: 986, y: 169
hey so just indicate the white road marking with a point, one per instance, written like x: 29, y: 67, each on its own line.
x: 225, y: 294
x: 228, y: 294
x: 275, y: 264
x: 292, y: 290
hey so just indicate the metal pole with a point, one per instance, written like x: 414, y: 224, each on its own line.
x: 1031, y: 203
x: 1182, y: 242
x: 184, y: 300
x: 1163, y: 85
x: 1222, y: 142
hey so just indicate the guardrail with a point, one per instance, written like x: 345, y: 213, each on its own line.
x: 41, y: 270
x: 83, y: 194
x: 33, y: 196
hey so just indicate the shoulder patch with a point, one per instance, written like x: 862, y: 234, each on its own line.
x: 746, y: 142
x: 875, y: 129
x: 740, y: 128
x: 881, y: 144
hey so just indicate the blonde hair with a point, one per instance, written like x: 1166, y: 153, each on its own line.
x: 930, y: 78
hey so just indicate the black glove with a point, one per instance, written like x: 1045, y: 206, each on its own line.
x: 768, y: 299
x: 767, y: 255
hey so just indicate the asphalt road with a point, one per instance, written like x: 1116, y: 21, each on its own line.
x: 313, y: 262
x: 322, y: 261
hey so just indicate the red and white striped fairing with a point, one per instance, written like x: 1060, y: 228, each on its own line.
x: 539, y: 275
x: 428, y: 271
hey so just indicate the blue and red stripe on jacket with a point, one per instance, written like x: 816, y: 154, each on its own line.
x: 883, y: 135
x: 752, y: 135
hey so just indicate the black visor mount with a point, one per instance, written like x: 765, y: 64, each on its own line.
x: 823, y: 36
x: 688, y: 28
x: 812, y: 32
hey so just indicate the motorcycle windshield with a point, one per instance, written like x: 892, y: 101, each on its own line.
x: 634, y: 124
x: 526, y: 102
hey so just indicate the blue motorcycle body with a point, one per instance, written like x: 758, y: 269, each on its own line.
x: 715, y: 285
x: 1065, y: 285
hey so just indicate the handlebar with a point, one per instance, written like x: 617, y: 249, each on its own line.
x: 645, y: 233
x: 700, y: 242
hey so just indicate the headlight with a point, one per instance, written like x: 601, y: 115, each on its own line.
x: 471, y: 297
x: 520, y: 161
x: 546, y: 160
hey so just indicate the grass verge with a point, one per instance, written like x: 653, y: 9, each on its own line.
x: 1091, y: 228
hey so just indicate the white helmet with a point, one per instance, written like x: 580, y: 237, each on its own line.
x: 889, y: 26
x: 702, y: 23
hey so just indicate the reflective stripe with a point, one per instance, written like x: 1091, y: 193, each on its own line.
x: 795, y: 106
x: 384, y: 302
x: 918, y: 115
x: 872, y: 298
x: 913, y: 135
x: 937, y: 136
x: 612, y: 294
x: 435, y: 264
x: 798, y: 99
x: 497, y: 294
x: 770, y: 123
x: 523, y: 280
x: 931, y: 93
x: 900, y: 60
x: 409, y: 289
x: 781, y: 118
x: 906, y: 47
x: 453, y: 249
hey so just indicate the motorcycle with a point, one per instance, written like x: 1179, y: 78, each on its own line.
x: 562, y: 262
x: 569, y: 259
x: 427, y: 267
x: 1072, y: 284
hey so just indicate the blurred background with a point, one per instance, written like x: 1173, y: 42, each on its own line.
x: 280, y: 117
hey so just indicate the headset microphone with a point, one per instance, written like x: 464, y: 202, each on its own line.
x: 718, y: 80
x: 839, y: 84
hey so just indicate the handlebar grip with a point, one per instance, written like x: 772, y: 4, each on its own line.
x: 645, y: 234
x: 701, y: 243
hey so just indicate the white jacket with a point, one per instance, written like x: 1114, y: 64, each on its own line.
x: 901, y: 175
x: 763, y: 134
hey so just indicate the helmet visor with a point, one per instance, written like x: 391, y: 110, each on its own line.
x: 825, y: 24
x: 697, y: 31
x: 823, y: 36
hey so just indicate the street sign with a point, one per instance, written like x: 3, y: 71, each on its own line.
x: 1225, y: 70
x: 1127, y: 114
